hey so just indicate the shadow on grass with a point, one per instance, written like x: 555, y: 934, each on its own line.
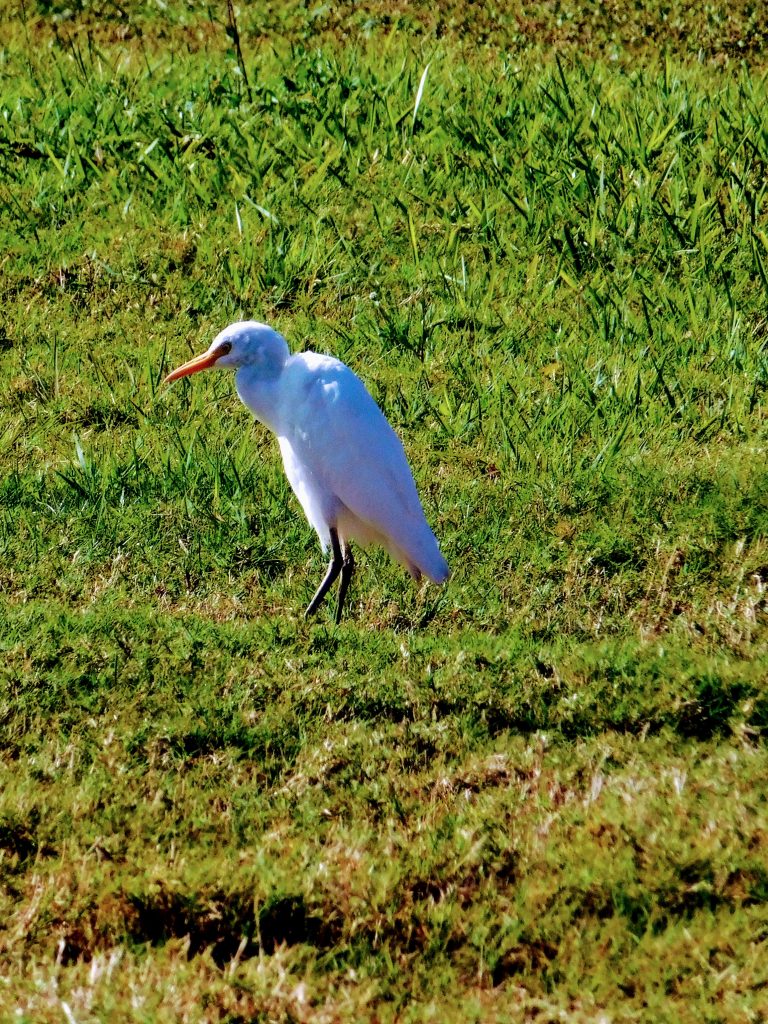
x: 227, y: 923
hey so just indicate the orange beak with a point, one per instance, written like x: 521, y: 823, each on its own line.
x: 202, y: 362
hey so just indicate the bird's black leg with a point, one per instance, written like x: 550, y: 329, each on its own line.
x: 347, y: 568
x: 334, y: 568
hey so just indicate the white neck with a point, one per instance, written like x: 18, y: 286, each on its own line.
x: 261, y: 395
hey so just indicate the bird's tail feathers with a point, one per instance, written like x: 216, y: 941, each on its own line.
x: 424, y: 558
x: 438, y: 570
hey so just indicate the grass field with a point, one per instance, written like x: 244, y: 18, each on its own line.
x: 540, y: 793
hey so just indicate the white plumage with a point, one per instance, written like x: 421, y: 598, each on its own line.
x: 343, y: 460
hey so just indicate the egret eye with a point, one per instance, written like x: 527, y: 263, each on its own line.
x: 224, y: 349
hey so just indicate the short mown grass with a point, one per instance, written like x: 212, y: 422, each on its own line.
x: 537, y: 793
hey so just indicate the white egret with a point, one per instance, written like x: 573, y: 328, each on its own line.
x: 343, y: 460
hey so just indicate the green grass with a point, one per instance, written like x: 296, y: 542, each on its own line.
x: 540, y: 236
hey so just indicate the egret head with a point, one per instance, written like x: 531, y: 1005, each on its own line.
x: 247, y: 343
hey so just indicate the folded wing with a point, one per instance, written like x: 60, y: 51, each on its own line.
x: 343, y: 438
